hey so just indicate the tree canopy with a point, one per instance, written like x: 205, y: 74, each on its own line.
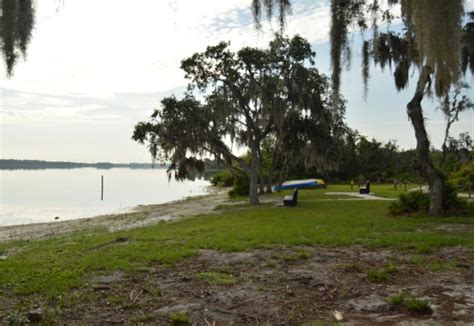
x: 247, y: 96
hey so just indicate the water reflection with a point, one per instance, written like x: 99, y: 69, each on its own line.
x: 32, y: 196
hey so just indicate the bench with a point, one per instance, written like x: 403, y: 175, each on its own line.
x: 365, y: 190
x: 291, y: 200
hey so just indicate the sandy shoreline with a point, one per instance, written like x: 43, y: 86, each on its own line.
x: 140, y: 216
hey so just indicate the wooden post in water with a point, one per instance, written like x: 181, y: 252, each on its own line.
x: 102, y: 188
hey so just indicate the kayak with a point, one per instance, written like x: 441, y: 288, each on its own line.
x: 301, y: 184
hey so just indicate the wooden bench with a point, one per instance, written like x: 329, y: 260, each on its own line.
x: 365, y: 190
x: 291, y: 200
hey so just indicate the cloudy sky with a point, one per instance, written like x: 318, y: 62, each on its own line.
x: 96, y: 68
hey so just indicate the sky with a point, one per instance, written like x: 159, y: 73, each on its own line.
x: 96, y: 68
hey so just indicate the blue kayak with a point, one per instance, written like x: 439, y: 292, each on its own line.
x: 301, y: 184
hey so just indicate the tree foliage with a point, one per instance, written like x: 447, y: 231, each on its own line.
x: 247, y: 96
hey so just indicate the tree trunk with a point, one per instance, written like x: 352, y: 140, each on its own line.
x: 423, y: 163
x: 280, y: 174
x: 262, y: 184
x: 272, y: 169
x: 260, y: 170
x: 269, y: 184
x: 253, y: 195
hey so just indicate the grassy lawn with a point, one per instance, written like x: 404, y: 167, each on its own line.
x: 381, y: 190
x: 55, y: 265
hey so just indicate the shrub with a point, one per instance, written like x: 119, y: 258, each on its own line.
x: 410, y: 203
x: 224, y: 178
x: 417, y: 202
x: 452, y: 203
x: 463, y: 178
x: 241, y: 186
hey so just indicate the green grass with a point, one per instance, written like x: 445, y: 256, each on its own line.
x: 410, y: 302
x: 299, y: 254
x: 53, y: 266
x: 435, y: 265
x: 144, y: 319
x: 381, y: 190
x: 382, y: 274
x: 179, y: 319
x: 271, y: 263
x: 3, y: 248
x: 215, y: 278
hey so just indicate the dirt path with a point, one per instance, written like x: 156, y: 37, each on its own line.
x: 140, y: 216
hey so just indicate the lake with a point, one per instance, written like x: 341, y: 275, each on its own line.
x: 34, y: 196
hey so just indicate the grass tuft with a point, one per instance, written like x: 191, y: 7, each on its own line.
x: 179, y: 318
x: 377, y: 275
x: 381, y: 275
x: 435, y: 265
x: 271, y: 263
x: 411, y: 303
x: 299, y: 254
x: 418, y: 305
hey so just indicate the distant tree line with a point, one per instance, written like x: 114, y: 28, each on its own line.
x: 361, y: 159
x: 40, y: 165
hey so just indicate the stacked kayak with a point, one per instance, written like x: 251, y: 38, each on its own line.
x: 301, y: 184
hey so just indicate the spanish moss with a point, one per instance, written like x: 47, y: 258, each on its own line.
x: 468, y: 46
x: 436, y: 27
x: 17, y: 23
x: 366, y: 66
x: 283, y: 7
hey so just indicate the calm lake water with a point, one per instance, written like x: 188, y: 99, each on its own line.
x: 33, y: 196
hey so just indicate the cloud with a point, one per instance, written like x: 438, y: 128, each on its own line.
x: 109, y: 46
x: 21, y: 107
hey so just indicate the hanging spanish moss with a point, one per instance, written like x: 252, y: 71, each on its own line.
x: 343, y: 14
x: 366, y: 66
x: 401, y: 75
x: 436, y: 27
x: 16, y: 26
x: 393, y: 49
x: 282, y: 6
x: 468, y: 46
x: 338, y: 36
x: 433, y: 38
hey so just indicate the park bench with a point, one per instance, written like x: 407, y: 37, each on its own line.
x: 291, y: 200
x: 365, y: 190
